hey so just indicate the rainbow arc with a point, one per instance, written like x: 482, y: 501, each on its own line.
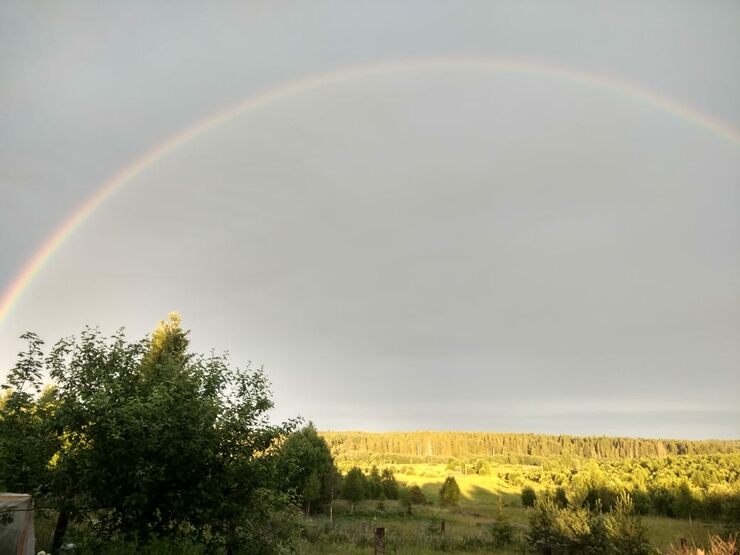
x: 604, y: 83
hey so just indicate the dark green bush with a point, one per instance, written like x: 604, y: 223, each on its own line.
x: 529, y: 497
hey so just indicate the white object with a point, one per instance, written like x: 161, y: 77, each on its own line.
x: 17, y: 537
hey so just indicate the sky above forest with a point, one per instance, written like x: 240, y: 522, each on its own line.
x: 417, y: 246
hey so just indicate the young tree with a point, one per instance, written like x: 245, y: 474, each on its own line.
x: 374, y: 484
x: 543, y: 530
x: 306, y: 467
x: 449, y: 493
x: 561, y: 498
x: 411, y: 495
x: 626, y: 532
x: 389, y: 484
x: 529, y: 497
x: 501, y: 529
x: 354, y: 486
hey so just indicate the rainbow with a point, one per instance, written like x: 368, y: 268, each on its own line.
x: 604, y: 83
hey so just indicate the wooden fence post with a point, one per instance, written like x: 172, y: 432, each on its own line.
x: 379, y: 541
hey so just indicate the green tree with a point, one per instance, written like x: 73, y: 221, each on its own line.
x: 529, y: 497
x: 306, y: 467
x: 501, y: 529
x: 354, y: 486
x: 158, y: 440
x: 374, y: 484
x: 684, y: 503
x: 543, y: 533
x: 389, y: 484
x: 625, y: 530
x: 561, y: 499
x: 449, y: 493
x: 27, y: 439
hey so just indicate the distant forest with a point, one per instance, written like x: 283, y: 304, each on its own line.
x: 439, y: 446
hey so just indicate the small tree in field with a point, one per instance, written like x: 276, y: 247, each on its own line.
x: 411, y: 495
x: 306, y: 467
x: 502, y: 531
x: 561, y: 498
x: 390, y: 485
x: 529, y: 497
x: 374, y: 484
x: 354, y: 486
x: 449, y: 493
x: 625, y: 529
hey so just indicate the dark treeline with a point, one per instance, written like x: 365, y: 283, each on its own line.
x: 438, y: 446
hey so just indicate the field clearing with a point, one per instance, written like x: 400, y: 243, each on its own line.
x: 478, y: 507
x: 410, y: 534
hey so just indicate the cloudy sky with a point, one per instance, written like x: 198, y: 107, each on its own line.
x: 425, y: 246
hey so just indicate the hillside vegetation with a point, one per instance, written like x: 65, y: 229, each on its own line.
x: 429, y: 446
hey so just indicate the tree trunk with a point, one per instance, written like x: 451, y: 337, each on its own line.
x: 59, y: 531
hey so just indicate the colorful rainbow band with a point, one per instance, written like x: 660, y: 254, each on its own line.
x: 599, y: 82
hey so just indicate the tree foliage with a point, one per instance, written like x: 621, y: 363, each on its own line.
x: 529, y: 497
x: 153, y: 439
x: 306, y: 467
x: 440, y: 446
x: 449, y: 493
x: 354, y: 486
x: 558, y: 531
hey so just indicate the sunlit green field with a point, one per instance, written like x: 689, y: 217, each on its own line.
x: 419, y: 533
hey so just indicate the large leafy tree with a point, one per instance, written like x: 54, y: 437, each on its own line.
x: 154, y: 439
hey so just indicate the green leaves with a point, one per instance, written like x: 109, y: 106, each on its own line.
x: 158, y: 440
x: 449, y: 494
x: 28, y: 370
x: 557, y: 531
x: 306, y: 468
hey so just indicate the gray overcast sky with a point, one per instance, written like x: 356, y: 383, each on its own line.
x: 437, y: 249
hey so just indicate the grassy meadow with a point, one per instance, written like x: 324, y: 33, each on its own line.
x: 481, y: 496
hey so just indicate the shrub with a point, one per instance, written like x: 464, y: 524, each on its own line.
x: 449, y: 493
x: 416, y: 496
x: 529, y: 497
x: 556, y: 531
x: 501, y: 530
x: 625, y: 530
x: 543, y: 534
x: 561, y: 499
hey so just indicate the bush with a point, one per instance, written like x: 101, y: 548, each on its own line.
x: 529, y: 497
x: 625, y: 530
x: 501, y: 530
x: 449, y: 493
x: 411, y: 495
x: 543, y: 534
x: 641, y: 501
x: 561, y: 499
x: 556, y: 531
